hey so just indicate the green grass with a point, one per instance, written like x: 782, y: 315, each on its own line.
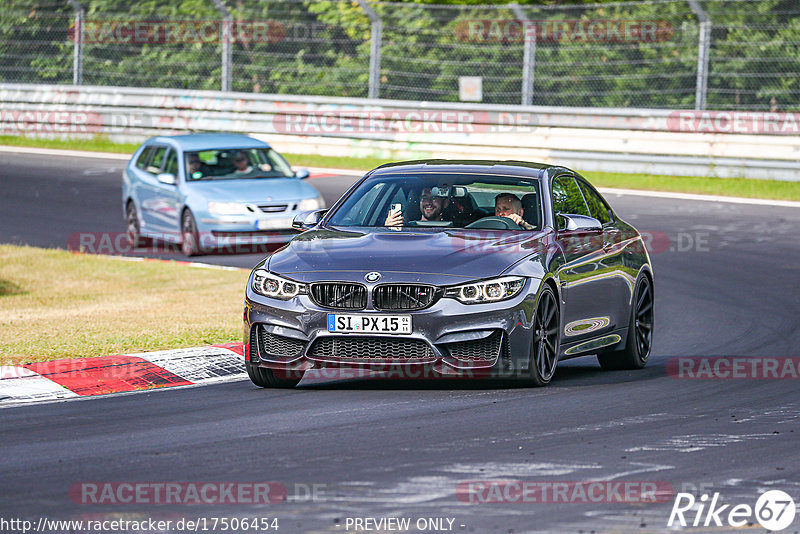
x: 95, y: 144
x: 57, y: 304
x: 733, y: 187
x: 737, y: 187
x: 334, y: 162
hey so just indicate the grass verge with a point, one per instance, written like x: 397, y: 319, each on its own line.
x: 734, y: 187
x: 56, y: 304
x: 95, y: 144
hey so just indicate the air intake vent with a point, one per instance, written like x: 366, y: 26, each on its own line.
x: 486, y: 349
x: 352, y: 348
x: 271, y: 345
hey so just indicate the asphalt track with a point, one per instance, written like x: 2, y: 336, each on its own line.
x: 726, y: 285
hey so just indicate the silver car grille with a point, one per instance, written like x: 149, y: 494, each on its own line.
x: 273, y: 208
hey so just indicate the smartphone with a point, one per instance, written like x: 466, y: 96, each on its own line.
x: 397, y: 208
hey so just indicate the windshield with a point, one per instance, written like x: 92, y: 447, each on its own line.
x: 226, y: 164
x: 443, y: 200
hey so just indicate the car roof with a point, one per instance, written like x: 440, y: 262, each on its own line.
x: 209, y: 141
x: 507, y: 167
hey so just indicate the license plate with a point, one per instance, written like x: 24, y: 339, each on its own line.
x: 274, y: 224
x: 369, y: 324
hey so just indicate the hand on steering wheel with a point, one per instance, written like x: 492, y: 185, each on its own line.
x: 494, y: 222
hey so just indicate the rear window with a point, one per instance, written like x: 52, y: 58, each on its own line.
x: 158, y: 160
x: 144, y: 158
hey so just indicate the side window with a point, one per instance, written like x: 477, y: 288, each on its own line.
x: 171, y: 166
x: 597, y: 207
x: 158, y: 159
x: 567, y: 197
x: 144, y: 158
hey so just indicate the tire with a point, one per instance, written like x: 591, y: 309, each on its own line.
x: 640, y: 332
x: 190, y: 244
x: 269, y: 378
x: 543, y: 356
x: 133, y: 227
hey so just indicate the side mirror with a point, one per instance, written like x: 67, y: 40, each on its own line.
x: 166, y: 178
x: 301, y: 173
x: 578, y: 223
x: 308, y: 219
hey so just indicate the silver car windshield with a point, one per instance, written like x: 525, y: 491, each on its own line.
x: 231, y: 164
x: 443, y: 201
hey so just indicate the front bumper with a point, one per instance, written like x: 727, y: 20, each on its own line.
x: 223, y: 231
x: 450, y: 337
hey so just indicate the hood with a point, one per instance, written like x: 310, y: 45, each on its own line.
x: 444, y: 256
x: 253, y: 189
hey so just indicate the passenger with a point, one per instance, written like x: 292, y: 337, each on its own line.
x: 242, y: 163
x: 510, y: 206
x: 431, y: 207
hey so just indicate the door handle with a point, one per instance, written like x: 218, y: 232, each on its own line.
x: 609, y: 241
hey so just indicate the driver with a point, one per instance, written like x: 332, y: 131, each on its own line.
x: 432, y: 209
x: 510, y: 206
x: 195, y: 165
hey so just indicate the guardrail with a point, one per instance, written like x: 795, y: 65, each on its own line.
x: 722, y: 144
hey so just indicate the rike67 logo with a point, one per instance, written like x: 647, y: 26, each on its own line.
x: 774, y: 510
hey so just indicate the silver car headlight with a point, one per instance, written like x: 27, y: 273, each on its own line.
x: 493, y: 290
x: 310, y: 204
x: 277, y: 287
x: 227, y: 208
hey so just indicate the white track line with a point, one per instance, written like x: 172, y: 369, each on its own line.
x: 64, y: 152
x: 703, y: 198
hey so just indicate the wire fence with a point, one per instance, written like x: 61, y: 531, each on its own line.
x: 677, y: 54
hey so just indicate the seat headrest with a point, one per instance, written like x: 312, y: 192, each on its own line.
x: 530, y: 209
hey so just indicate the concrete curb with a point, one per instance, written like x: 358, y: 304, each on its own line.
x: 86, y: 377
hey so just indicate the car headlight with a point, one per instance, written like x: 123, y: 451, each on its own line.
x: 277, y: 287
x: 492, y: 290
x: 227, y: 208
x: 310, y: 204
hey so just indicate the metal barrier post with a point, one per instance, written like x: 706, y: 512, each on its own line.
x: 227, y: 38
x: 702, y: 54
x: 528, y: 54
x: 375, y: 39
x: 77, y: 57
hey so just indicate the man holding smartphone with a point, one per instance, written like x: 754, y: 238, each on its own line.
x: 431, y: 207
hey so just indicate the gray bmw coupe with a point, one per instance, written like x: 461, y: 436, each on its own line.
x: 453, y: 268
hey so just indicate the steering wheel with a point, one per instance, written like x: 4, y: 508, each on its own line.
x: 494, y: 223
